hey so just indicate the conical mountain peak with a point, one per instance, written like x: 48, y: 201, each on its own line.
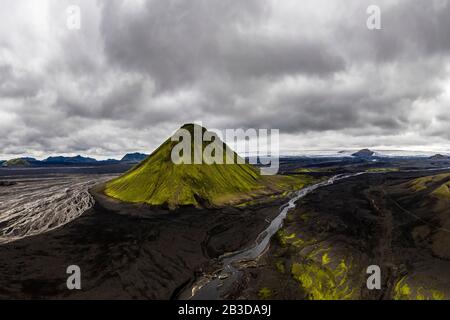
x: 160, y: 181
x: 192, y: 126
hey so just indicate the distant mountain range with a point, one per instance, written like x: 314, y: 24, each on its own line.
x: 378, y: 153
x: 77, y: 159
x: 439, y: 157
x: 364, y: 153
x: 69, y: 161
x: 134, y: 157
x: 369, y: 154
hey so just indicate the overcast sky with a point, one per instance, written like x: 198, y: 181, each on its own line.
x: 137, y: 70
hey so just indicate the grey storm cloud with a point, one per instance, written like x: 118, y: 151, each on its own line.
x: 137, y: 70
x: 17, y: 84
x: 181, y: 42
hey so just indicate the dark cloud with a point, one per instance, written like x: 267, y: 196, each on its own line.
x: 179, y: 43
x: 17, y: 83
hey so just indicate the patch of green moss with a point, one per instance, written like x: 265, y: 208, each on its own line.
x: 423, y: 183
x: 304, y: 216
x: 16, y: 163
x: 405, y: 291
x: 299, y: 243
x: 443, y: 192
x: 321, y: 282
x: 290, y: 182
x: 325, y: 259
x: 284, y: 238
x: 280, y: 266
x: 402, y: 291
x: 309, y: 170
x: 320, y: 275
x: 265, y: 293
x: 437, y: 295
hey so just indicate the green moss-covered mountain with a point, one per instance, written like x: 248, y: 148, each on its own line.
x: 158, y: 181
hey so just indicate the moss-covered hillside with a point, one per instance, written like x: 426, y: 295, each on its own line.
x: 158, y: 181
x: 16, y: 163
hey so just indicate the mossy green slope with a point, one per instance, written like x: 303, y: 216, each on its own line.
x: 438, y: 185
x: 158, y: 181
x: 16, y: 163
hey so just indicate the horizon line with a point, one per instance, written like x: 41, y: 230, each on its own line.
x: 338, y: 152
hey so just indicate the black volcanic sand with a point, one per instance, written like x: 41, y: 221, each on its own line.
x: 127, y: 251
x: 336, y: 232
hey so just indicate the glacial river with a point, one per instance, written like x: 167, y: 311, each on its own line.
x: 213, y: 286
x: 32, y: 206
